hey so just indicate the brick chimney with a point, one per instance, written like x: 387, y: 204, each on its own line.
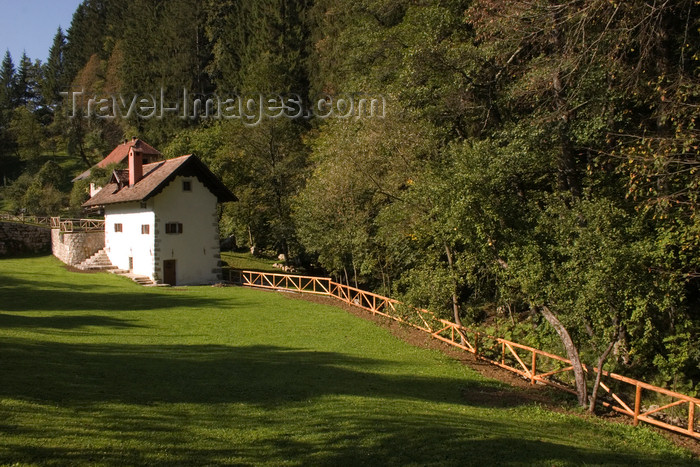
x: 135, y: 166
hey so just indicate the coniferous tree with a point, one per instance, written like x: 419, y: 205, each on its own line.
x: 85, y: 36
x: 8, y: 159
x: 54, y: 73
x: 27, y: 83
x: 8, y: 78
x: 169, y: 52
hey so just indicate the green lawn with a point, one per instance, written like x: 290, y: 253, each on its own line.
x: 97, y: 370
x: 249, y: 262
x: 73, y: 165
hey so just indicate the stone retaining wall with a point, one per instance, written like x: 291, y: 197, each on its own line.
x: 17, y: 239
x: 75, y: 247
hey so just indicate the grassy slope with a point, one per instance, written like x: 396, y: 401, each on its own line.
x: 248, y: 261
x: 97, y: 370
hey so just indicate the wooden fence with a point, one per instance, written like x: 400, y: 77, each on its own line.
x: 65, y: 225
x: 22, y: 219
x: 266, y: 280
x: 77, y: 225
x: 679, y: 412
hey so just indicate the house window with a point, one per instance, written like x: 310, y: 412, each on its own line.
x: 173, y: 228
x: 117, y: 227
x: 145, y: 229
x: 186, y: 185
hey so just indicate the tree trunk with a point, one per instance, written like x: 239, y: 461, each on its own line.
x: 601, y: 360
x: 455, y: 301
x: 354, y: 273
x: 83, y: 156
x: 571, y: 352
x: 251, y: 244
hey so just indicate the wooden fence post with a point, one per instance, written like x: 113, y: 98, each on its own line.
x: 691, y: 417
x: 476, y: 344
x: 637, y: 404
x: 534, y: 367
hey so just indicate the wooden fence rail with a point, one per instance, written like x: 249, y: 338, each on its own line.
x: 533, y: 364
x: 22, y: 219
x: 77, y: 225
x: 65, y: 225
x: 265, y: 280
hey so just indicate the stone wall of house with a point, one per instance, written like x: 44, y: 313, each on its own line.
x: 75, y: 247
x: 23, y: 238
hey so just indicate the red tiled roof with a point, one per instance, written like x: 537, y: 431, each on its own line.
x: 157, y: 176
x: 120, y: 153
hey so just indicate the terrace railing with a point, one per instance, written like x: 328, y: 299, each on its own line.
x: 77, y: 225
x: 65, y: 225
x: 679, y: 412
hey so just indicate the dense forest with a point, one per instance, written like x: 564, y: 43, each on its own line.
x: 535, y: 171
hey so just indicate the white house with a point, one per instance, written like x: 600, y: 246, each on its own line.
x: 161, y: 219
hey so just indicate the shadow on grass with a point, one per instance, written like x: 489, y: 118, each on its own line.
x: 409, y: 440
x: 141, y: 374
x: 12, y: 255
x: 443, y: 439
x: 26, y: 295
x: 284, y: 384
x: 63, y: 321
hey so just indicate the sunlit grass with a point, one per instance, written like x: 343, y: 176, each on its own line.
x: 247, y: 261
x: 97, y: 370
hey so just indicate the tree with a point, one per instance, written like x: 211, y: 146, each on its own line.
x: 570, y: 79
x: 55, y: 79
x: 267, y: 166
x: 360, y: 167
x: 8, y: 86
x: 583, y: 270
x: 27, y: 83
x: 27, y: 134
x: 40, y: 193
x: 8, y: 162
x: 86, y: 34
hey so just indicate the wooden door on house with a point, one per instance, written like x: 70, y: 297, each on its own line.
x: 169, y: 272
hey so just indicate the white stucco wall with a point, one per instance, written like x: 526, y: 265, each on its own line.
x: 196, y: 249
x: 94, y: 189
x: 130, y: 242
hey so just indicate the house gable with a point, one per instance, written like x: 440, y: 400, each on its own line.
x: 157, y: 176
x: 187, y: 230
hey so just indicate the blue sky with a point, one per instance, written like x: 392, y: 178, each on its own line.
x: 31, y: 25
